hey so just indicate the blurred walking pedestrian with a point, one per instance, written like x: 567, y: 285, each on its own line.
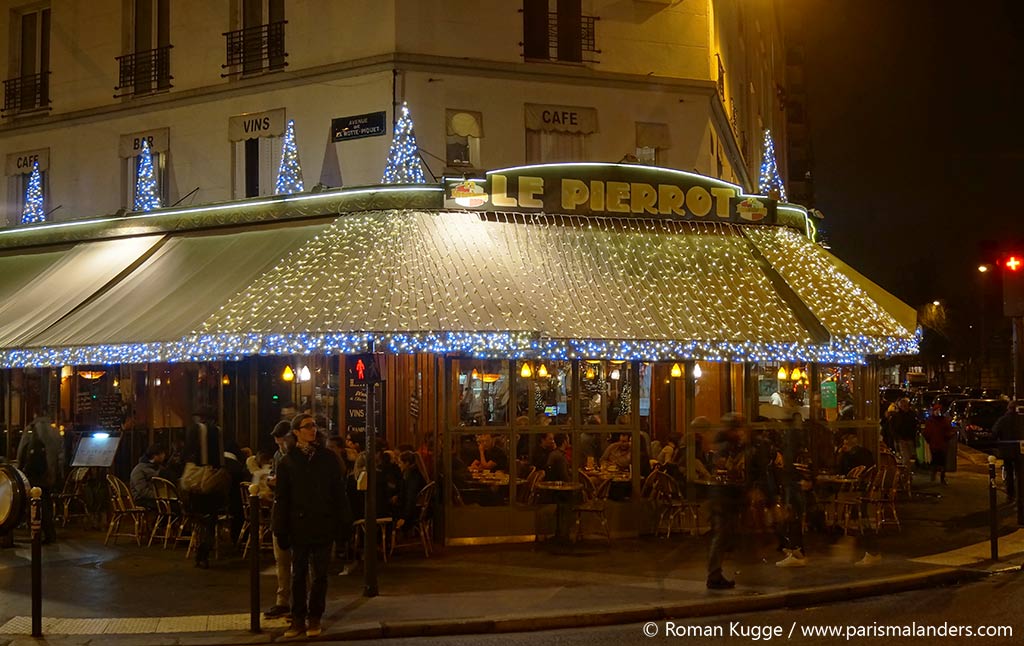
x: 726, y: 496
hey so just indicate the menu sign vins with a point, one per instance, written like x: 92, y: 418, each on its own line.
x: 615, y: 190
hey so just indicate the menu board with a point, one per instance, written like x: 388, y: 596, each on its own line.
x: 96, y: 451
x: 83, y: 403
x: 111, y: 412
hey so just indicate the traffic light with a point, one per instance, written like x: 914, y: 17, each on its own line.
x: 1013, y: 284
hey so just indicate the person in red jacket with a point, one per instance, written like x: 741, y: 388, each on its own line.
x: 938, y: 432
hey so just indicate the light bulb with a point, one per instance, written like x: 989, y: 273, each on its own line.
x: 304, y: 374
x: 796, y: 375
x: 542, y: 372
x: 525, y: 372
x: 288, y: 374
x: 676, y: 370
x: 226, y: 380
x: 590, y: 373
x: 697, y: 372
x: 782, y: 375
x: 117, y: 382
x: 474, y: 374
x: 615, y: 374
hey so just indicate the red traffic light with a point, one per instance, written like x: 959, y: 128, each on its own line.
x: 1013, y: 263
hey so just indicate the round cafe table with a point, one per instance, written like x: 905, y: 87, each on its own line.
x: 564, y: 494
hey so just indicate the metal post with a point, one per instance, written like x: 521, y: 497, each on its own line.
x: 36, y: 523
x: 993, y: 514
x: 254, y: 558
x: 370, y: 547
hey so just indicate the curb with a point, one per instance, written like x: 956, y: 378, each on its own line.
x: 633, y: 614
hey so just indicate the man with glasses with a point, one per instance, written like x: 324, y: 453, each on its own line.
x: 308, y: 518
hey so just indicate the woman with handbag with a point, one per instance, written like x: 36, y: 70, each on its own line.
x: 205, y: 480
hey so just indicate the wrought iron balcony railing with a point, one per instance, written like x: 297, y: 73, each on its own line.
x: 255, y: 49
x: 144, y: 72
x: 27, y: 93
x: 588, y: 41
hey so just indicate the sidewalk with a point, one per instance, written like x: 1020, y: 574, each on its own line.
x: 123, y: 592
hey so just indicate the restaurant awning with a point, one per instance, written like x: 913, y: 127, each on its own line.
x: 170, y: 293
x: 517, y: 284
x: 58, y: 282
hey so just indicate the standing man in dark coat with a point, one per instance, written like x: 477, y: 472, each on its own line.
x: 309, y: 504
x: 903, y: 430
x: 1009, y: 430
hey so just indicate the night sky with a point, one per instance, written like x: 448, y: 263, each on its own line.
x: 915, y: 108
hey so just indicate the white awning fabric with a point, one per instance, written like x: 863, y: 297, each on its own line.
x: 66, y: 284
x: 175, y: 289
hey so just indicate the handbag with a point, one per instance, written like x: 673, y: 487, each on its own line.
x: 205, y: 479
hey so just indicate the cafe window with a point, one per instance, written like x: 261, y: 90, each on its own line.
x: 481, y: 448
x: 130, y: 151
x: 652, y: 140
x: 557, y: 30
x: 558, y: 133
x: 19, y: 171
x: 464, y: 130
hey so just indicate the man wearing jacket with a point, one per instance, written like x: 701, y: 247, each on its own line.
x: 150, y: 466
x: 309, y: 515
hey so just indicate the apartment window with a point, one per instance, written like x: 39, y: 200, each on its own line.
x: 256, y: 151
x: 28, y: 87
x: 558, y: 133
x: 464, y: 131
x: 18, y: 170
x: 148, y: 67
x: 259, y: 45
x: 130, y: 151
x: 652, y: 139
x: 557, y: 30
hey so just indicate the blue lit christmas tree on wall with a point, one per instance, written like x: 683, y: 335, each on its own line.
x: 33, y: 210
x: 770, y: 181
x: 404, y: 157
x: 289, y: 173
x: 146, y: 197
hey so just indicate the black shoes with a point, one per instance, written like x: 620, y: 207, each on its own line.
x: 716, y: 581
x: 276, y: 612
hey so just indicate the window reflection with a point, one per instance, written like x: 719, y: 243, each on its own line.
x: 606, y: 393
x: 484, y: 392
x: 544, y: 389
x: 480, y: 469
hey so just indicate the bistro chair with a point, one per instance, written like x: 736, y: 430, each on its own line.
x: 846, y: 503
x: 168, y: 510
x: 595, y: 501
x: 383, y: 527
x: 122, y: 506
x: 882, y: 498
x: 528, y: 493
x: 422, y: 532
x: 73, y: 493
x: 263, y: 532
x: 674, y: 507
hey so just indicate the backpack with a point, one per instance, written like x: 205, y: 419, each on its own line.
x: 36, y: 464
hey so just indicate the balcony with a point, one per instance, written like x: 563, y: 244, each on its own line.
x: 144, y: 72
x: 255, y: 49
x: 588, y: 42
x: 27, y: 94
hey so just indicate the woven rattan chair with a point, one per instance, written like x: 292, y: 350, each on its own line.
x: 595, y: 502
x: 422, y: 532
x: 123, y: 506
x: 168, y: 510
x: 72, y: 494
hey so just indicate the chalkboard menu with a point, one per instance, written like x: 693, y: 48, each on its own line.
x: 111, y: 412
x: 83, y: 404
x: 355, y: 402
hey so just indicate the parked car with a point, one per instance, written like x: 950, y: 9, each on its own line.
x: 973, y: 419
x: 946, y: 399
x: 922, y: 401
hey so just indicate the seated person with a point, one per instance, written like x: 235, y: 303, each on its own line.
x: 490, y: 456
x: 406, y: 512
x: 667, y: 451
x: 852, y: 454
x: 259, y: 467
x: 619, y: 454
x: 558, y: 460
x: 149, y: 467
x: 539, y: 455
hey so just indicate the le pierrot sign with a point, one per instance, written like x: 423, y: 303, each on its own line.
x: 614, y: 190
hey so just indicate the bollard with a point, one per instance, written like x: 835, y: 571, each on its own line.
x: 254, y: 558
x: 993, y: 515
x: 36, y: 523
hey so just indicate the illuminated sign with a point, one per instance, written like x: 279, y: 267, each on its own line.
x: 619, y: 190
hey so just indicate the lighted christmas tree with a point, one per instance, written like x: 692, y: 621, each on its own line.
x: 146, y: 198
x: 33, y: 211
x: 404, y: 157
x: 289, y: 174
x: 770, y: 181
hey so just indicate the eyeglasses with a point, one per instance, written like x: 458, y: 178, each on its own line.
x: 307, y: 425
